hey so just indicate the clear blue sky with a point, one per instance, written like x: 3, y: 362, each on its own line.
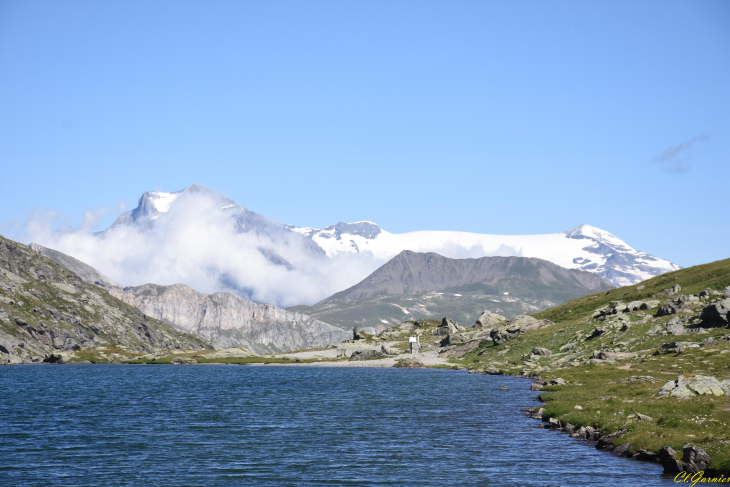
x: 493, y: 117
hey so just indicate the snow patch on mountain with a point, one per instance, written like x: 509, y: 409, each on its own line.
x: 162, y: 201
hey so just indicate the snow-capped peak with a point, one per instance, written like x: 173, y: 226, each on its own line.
x: 594, y: 233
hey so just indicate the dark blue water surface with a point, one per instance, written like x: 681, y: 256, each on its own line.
x: 243, y: 425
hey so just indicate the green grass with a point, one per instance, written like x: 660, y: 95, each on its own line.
x: 715, y: 275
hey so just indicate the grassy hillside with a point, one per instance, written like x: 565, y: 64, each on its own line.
x: 613, y: 366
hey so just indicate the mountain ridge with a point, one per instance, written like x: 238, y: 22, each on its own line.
x: 427, y: 285
x: 410, y: 272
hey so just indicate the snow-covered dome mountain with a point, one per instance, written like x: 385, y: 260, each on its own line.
x: 584, y: 247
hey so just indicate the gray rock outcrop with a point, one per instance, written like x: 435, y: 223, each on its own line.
x: 698, y: 385
x: 488, y: 319
x: 516, y: 326
x: 717, y: 314
x: 674, y: 347
x: 541, y: 352
x: 228, y: 320
x: 671, y: 465
x: 695, y: 459
x: 447, y: 327
x: 366, y: 355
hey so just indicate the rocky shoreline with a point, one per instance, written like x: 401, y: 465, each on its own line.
x: 694, y: 459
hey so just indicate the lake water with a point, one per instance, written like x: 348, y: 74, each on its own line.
x: 281, y: 426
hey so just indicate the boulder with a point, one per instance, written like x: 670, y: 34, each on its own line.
x: 698, y: 385
x: 726, y: 292
x: 623, y: 450
x: 409, y: 363
x: 671, y: 465
x: 649, y: 305
x: 605, y: 442
x: 183, y: 361
x: 598, y: 331
x: 717, y: 314
x: 592, y: 433
x: 541, y: 352
x: 389, y: 350
x: 706, y: 293
x: 447, y: 327
x: 452, y: 339
x: 359, y: 334
x: 365, y: 355
x: 666, y: 309
x: 488, y: 319
x: 695, y: 459
x: 516, y: 326
x: 674, y: 347
x: 459, y: 352
x: 580, y: 433
x: 676, y: 329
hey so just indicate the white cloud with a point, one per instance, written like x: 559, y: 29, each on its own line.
x: 198, y: 244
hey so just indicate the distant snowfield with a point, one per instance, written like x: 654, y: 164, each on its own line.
x: 584, y: 247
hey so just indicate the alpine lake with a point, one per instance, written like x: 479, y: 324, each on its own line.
x: 221, y: 425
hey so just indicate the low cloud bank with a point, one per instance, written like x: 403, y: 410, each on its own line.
x: 199, y: 244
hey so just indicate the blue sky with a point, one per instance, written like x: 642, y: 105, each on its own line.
x: 491, y: 117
